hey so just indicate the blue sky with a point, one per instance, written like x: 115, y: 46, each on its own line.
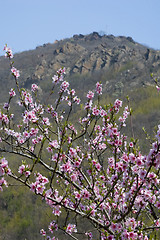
x: 25, y: 24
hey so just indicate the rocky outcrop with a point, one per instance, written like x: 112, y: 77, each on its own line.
x: 88, y: 54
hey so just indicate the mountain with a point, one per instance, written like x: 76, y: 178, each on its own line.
x: 120, y: 62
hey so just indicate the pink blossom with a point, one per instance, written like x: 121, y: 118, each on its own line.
x: 90, y: 95
x: 33, y: 131
x: 42, y: 232
x: 15, y: 72
x: 131, y: 144
x: 64, y: 86
x: 53, y: 226
x: 12, y: 92
x: 77, y: 164
x: 55, y: 79
x: 72, y: 152
x: 34, y: 87
x: 110, y: 237
x: 99, y: 88
x: 71, y: 228
x: 157, y: 222
x: 49, y: 149
x: 72, y: 92
x: 24, y: 169
x: 117, y: 105
x: 77, y: 195
x: 67, y: 167
x: 56, y: 210
x: 88, y: 105
x: 74, y: 177
x: 34, y: 141
x: 46, y: 121
x: 3, y: 182
x: 33, y: 187
x: 142, y: 174
x: 139, y: 162
x: 8, y: 53
x: 132, y: 157
x: 89, y: 234
x: 158, y: 204
x: 4, y: 118
x: 4, y: 167
x: 98, y: 166
x: 95, y: 111
x: 21, y: 169
x: 30, y: 117
x: 54, y: 144
x: 4, y: 163
x: 76, y: 100
x: 39, y: 189
x: 158, y: 88
x: 103, y: 113
x: 85, y: 194
x: 59, y: 77
x: 27, y: 173
x: 113, y: 227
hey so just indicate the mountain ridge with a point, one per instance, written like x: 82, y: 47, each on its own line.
x: 119, y: 60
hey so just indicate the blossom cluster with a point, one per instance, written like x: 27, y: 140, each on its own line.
x: 15, y: 72
x: 8, y: 51
x: 59, y: 76
x: 12, y: 92
x: 24, y: 169
x: 4, y: 169
x: 39, y: 185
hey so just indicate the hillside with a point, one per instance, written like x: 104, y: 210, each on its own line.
x: 122, y: 65
x: 120, y: 62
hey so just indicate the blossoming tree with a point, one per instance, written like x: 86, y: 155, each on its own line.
x: 94, y: 173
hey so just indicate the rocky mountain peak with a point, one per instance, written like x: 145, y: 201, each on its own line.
x: 88, y: 54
